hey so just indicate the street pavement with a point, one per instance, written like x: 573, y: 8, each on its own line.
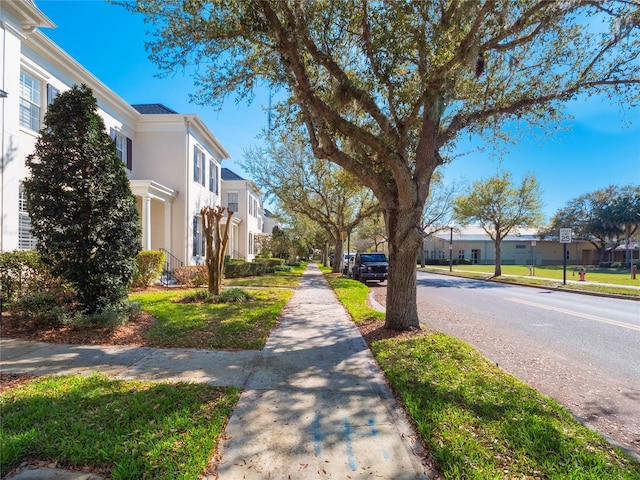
x: 314, y: 402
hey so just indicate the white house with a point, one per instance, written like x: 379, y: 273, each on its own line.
x: 243, y: 197
x: 172, y: 159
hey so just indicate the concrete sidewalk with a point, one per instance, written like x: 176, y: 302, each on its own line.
x: 314, y: 402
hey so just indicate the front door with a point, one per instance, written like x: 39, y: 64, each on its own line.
x: 475, y: 256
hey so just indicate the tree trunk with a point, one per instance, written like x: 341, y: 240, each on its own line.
x: 337, y: 259
x: 498, y: 270
x: 404, y: 244
x: 422, y: 254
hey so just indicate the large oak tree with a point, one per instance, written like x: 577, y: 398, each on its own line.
x: 321, y: 191
x: 386, y: 88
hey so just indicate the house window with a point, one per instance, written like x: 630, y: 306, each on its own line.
x: 199, y: 165
x: 124, y: 147
x: 198, y: 239
x: 213, y: 177
x: 460, y: 254
x: 232, y: 201
x: 26, y: 241
x: 30, y: 100
x: 251, y: 239
x: 196, y: 164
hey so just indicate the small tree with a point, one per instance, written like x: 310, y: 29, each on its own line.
x: 82, y: 211
x: 498, y: 207
x: 216, y: 244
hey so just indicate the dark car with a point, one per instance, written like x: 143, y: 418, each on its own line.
x: 369, y: 266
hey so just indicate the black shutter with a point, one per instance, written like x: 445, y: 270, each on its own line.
x: 129, y: 154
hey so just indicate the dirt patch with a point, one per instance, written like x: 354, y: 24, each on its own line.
x: 131, y: 333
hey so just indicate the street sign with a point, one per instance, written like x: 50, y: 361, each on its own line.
x: 533, y: 243
x: 565, y: 235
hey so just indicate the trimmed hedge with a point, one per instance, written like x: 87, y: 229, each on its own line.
x: 236, y: 269
x: 148, y: 268
x: 270, y: 262
x: 192, y: 275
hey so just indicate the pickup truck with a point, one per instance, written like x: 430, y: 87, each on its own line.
x: 369, y: 266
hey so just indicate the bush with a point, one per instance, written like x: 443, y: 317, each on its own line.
x: 269, y: 262
x: 234, y: 295
x: 293, y: 263
x: 50, y: 309
x: 23, y: 272
x: 201, y: 296
x: 149, y: 266
x: 111, y: 318
x: 237, y: 269
x: 192, y: 275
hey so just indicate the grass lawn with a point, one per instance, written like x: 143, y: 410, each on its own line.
x: 479, y: 422
x: 353, y: 294
x: 551, y: 276
x: 125, y: 429
x: 276, y: 279
x: 212, y: 325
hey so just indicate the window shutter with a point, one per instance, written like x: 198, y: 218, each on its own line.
x: 203, y: 160
x: 52, y: 93
x: 195, y: 235
x: 129, y: 154
x: 112, y: 134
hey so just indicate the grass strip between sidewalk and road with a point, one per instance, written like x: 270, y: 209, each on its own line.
x: 123, y: 429
x: 479, y: 422
x: 212, y: 325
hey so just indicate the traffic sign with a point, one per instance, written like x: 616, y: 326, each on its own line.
x: 565, y: 235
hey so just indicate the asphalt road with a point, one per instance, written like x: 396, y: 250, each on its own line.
x: 582, y: 350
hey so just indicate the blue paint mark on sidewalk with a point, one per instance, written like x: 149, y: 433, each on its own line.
x: 347, y: 434
x: 374, y: 433
x: 317, y: 435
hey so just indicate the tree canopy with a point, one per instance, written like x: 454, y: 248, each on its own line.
x: 600, y: 217
x: 82, y: 211
x: 499, y: 206
x: 385, y: 89
x: 323, y: 192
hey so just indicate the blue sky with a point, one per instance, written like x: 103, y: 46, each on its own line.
x: 598, y: 150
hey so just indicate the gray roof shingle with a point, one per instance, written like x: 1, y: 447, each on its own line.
x: 153, y: 108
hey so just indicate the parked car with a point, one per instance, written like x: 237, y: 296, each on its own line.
x: 369, y: 266
x: 346, y: 258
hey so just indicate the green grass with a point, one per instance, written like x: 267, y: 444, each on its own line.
x: 353, y: 295
x: 551, y: 277
x: 275, y: 279
x: 601, y: 275
x: 211, y: 325
x: 481, y: 423
x: 128, y: 429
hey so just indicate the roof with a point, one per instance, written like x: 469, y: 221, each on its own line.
x: 153, y: 108
x: 227, y: 174
x: 476, y: 234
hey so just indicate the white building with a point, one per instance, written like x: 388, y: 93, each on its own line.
x: 172, y: 160
x: 243, y: 197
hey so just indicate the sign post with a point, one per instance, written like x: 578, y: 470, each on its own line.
x: 565, y: 237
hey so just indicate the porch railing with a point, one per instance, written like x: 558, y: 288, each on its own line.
x: 168, y: 270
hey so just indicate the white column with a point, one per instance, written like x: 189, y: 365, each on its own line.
x: 146, y: 222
